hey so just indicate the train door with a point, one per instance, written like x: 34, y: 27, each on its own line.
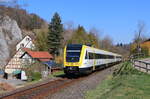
x: 115, y: 58
x: 86, y: 60
x: 91, y: 60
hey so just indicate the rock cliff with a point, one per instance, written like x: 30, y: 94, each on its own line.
x: 10, y: 34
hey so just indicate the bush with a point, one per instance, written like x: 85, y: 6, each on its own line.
x: 36, y: 76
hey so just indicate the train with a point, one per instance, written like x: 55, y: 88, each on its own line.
x: 84, y: 59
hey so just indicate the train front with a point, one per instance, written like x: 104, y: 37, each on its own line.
x: 72, y: 58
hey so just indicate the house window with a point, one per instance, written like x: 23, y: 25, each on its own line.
x: 21, y: 45
x: 27, y: 39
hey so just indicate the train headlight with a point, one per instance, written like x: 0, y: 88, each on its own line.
x: 71, y: 68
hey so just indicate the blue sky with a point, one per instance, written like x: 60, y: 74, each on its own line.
x: 115, y: 18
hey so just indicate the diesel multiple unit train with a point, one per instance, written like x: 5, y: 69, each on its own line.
x: 83, y: 59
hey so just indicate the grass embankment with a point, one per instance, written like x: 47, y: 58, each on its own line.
x: 125, y: 83
x: 56, y: 74
x: 37, y: 77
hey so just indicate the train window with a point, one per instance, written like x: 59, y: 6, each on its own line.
x: 100, y: 56
x: 96, y: 56
x: 73, y: 53
x: 91, y: 55
x: 118, y: 56
x: 108, y: 56
x: 73, y: 56
x: 86, y: 55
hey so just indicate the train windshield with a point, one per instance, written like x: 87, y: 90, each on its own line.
x: 73, y: 53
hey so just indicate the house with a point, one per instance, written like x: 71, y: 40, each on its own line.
x: 146, y: 44
x: 15, y: 63
x: 24, y: 55
x: 25, y: 43
x: 30, y: 57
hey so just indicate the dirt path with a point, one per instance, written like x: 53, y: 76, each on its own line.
x: 78, y: 90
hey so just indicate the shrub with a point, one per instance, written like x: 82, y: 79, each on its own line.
x: 36, y: 76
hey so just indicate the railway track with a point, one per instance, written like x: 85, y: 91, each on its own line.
x: 41, y: 90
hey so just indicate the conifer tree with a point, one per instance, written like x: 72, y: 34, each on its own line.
x: 55, y: 35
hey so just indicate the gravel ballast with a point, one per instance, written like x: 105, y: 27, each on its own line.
x: 78, y: 89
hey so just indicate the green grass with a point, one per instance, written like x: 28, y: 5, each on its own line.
x: 36, y: 76
x: 55, y: 74
x: 125, y: 83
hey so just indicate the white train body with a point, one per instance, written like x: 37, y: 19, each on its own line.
x: 85, y: 59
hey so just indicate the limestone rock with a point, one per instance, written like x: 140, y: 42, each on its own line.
x: 10, y: 34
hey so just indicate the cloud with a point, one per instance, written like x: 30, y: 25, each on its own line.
x: 5, y: 0
x: 8, y: 2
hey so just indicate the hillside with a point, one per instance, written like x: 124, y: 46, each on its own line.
x: 15, y: 23
x: 24, y: 19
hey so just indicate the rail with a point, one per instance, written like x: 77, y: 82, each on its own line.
x: 141, y: 65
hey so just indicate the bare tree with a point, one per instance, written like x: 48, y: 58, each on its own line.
x: 139, y: 35
x: 95, y: 33
x: 68, y: 32
x: 107, y: 43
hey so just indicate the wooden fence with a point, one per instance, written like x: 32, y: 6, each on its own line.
x: 141, y: 65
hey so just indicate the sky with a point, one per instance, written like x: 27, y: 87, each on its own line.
x: 117, y: 19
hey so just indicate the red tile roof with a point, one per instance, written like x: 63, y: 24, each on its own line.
x: 41, y: 55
